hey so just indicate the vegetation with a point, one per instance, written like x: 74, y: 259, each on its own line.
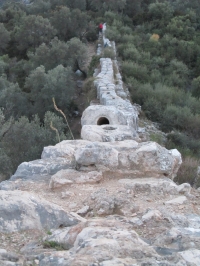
x: 52, y: 244
x: 41, y: 43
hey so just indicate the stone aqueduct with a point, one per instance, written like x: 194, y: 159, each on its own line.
x: 109, y: 144
x: 113, y: 108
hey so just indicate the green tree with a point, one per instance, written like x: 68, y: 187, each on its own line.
x: 196, y: 87
x: 4, y: 37
x: 73, y: 4
x: 57, y: 52
x: 68, y: 23
x: 183, y: 26
x: 57, y: 83
x: 12, y: 99
x: 33, y: 31
x: 23, y: 139
x: 39, y: 7
x: 160, y: 14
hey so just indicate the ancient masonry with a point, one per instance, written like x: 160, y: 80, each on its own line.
x: 114, y: 118
x: 110, y: 143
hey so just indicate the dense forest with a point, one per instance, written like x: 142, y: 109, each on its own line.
x: 43, y: 42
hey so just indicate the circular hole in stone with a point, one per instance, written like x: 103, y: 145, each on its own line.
x: 109, y: 128
x: 103, y: 121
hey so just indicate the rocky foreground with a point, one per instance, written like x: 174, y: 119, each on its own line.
x: 99, y: 204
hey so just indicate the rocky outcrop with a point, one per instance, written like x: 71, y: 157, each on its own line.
x: 69, y: 176
x: 126, y: 157
x: 9, y: 258
x: 130, y: 157
x: 24, y: 211
x: 102, y: 238
x: 114, y: 241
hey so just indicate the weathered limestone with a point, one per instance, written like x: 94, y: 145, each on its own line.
x: 156, y: 186
x: 21, y: 210
x: 98, y: 240
x: 27, y: 170
x: 64, y: 149
x: 106, y: 133
x: 128, y: 157
x: 9, y: 258
x: 94, y: 115
x: 177, y: 201
x: 70, y: 176
x: 143, y: 159
x: 114, y: 108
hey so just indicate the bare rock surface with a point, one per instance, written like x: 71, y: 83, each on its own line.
x: 70, y: 176
x: 138, y: 159
x: 125, y: 221
x: 24, y: 211
x: 106, y: 133
x: 123, y: 157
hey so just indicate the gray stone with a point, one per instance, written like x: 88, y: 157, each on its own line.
x: 64, y: 149
x: 66, y: 236
x: 136, y: 221
x: 143, y: 159
x: 119, y: 262
x: 105, y: 204
x: 184, y: 188
x: 177, y: 201
x: 22, y: 211
x: 9, y: 258
x: 191, y: 256
x: 83, y: 210
x: 70, y: 176
x: 152, y: 214
x: 93, y: 115
x: 106, y: 133
x: 43, y: 167
x: 151, y: 185
x: 8, y: 185
x: 67, y: 194
x: 95, y: 153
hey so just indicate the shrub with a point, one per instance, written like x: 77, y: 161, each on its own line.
x: 130, y: 52
x: 135, y: 70
x: 157, y: 137
x: 155, y: 76
x: 140, y: 92
x: 154, y: 37
x: 113, y: 34
x: 53, y: 244
x: 108, y: 52
x: 188, y: 172
x: 23, y: 140
x: 91, y: 35
x: 93, y: 64
x: 196, y: 87
x: 186, y: 144
x: 127, y: 38
x: 90, y: 90
x: 125, y: 30
x: 153, y: 109
x: 175, y: 117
